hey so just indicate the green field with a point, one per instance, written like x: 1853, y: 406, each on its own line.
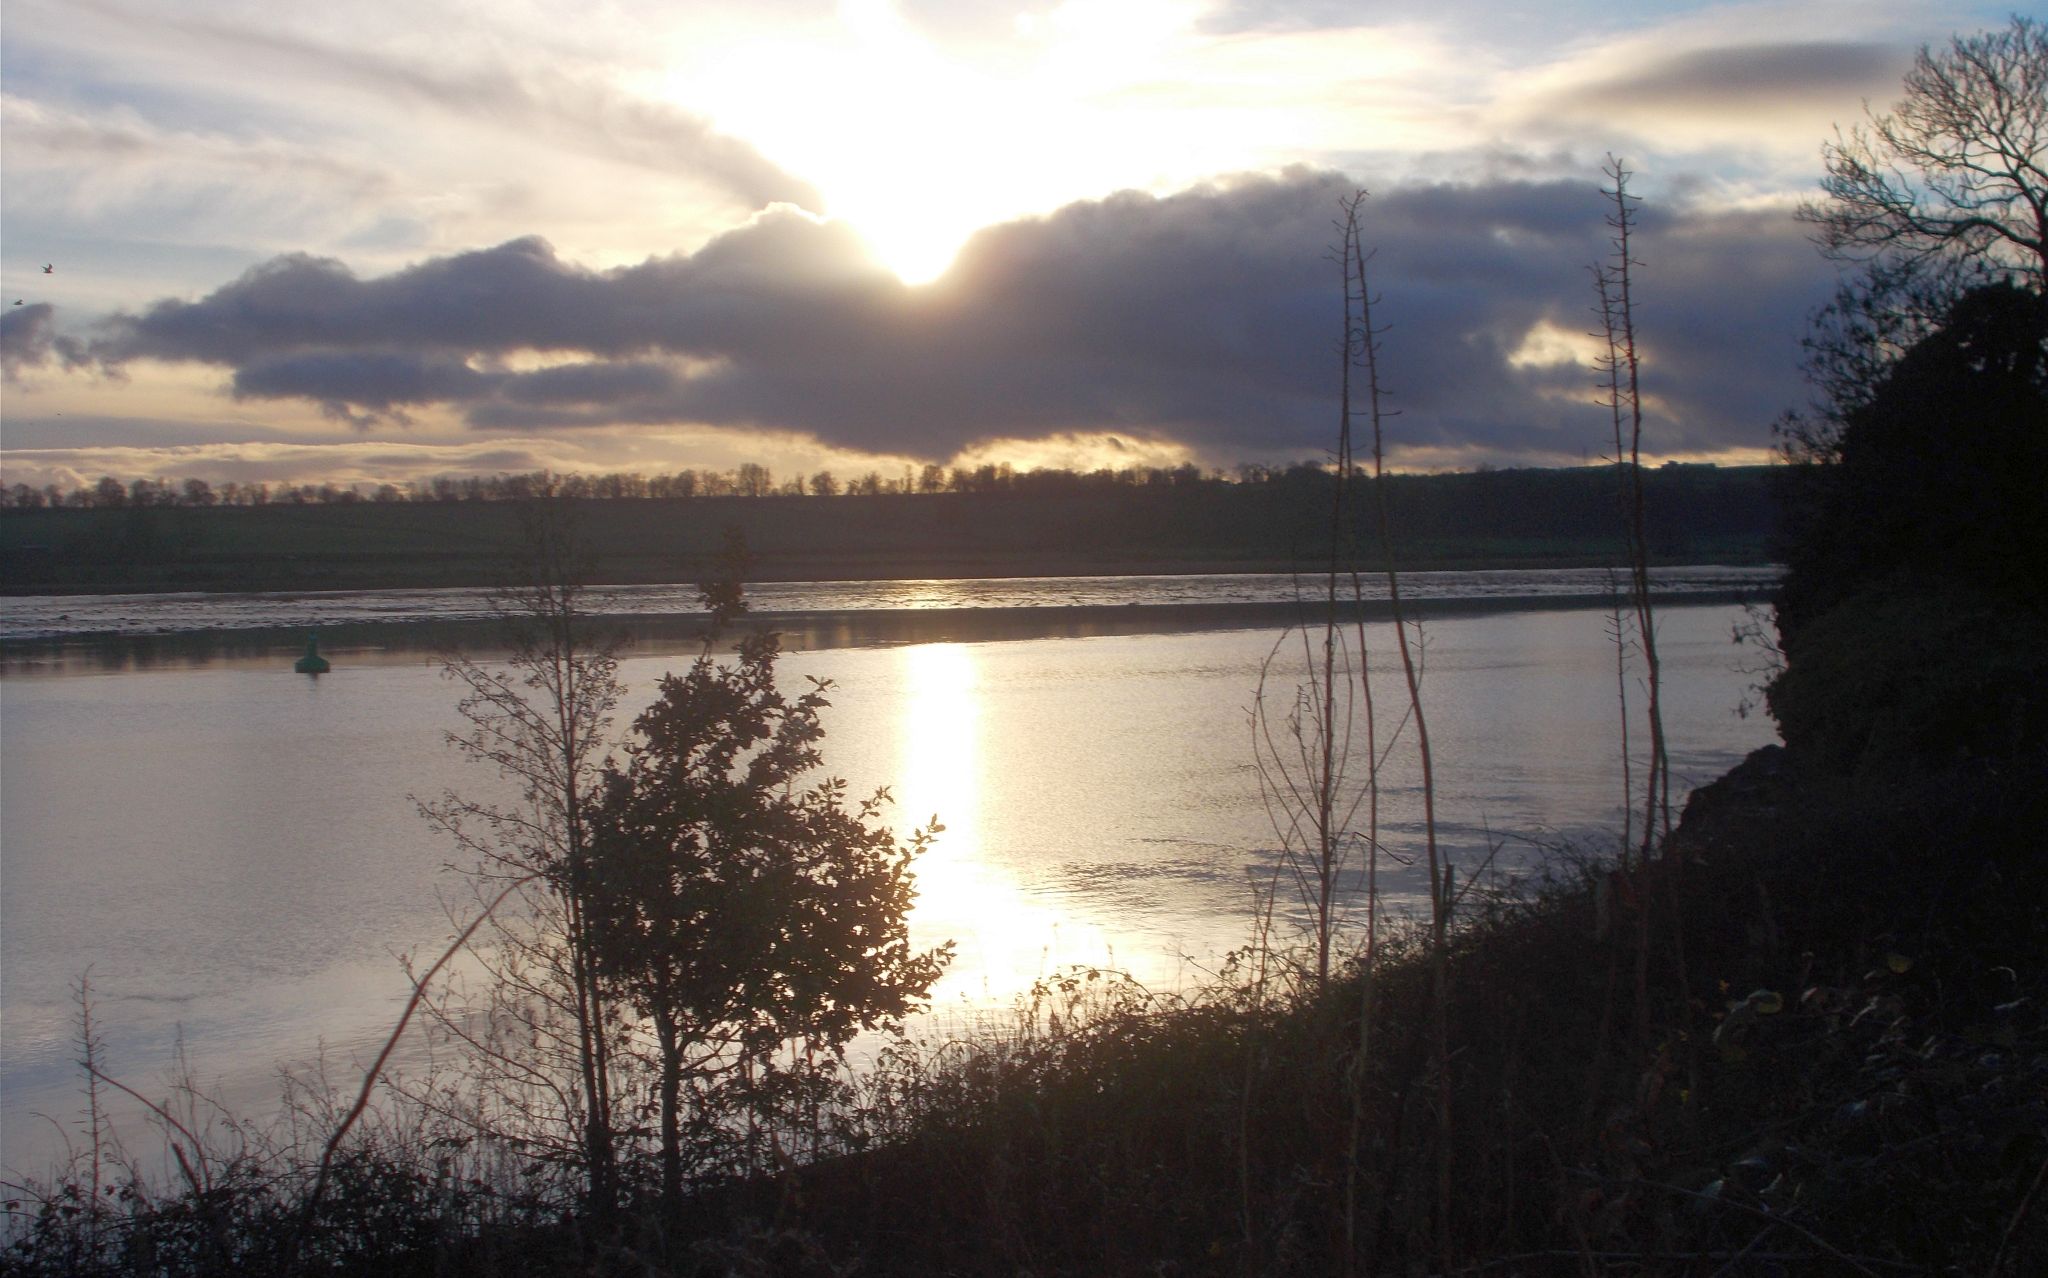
x: 1506, y: 518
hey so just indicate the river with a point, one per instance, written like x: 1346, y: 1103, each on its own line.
x: 234, y: 854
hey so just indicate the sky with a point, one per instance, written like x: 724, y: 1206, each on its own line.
x: 374, y: 242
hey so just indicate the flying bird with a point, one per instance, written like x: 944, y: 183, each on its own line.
x: 48, y: 269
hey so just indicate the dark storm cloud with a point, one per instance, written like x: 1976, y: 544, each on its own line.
x: 745, y: 285
x: 1751, y: 76
x: 1209, y: 316
x: 361, y: 386
x: 379, y: 381
x: 1724, y: 301
x: 29, y: 340
x: 590, y: 384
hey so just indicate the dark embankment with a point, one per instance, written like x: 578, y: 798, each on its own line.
x: 1844, y: 1069
x: 1503, y: 518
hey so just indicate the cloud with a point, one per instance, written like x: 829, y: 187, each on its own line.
x: 1238, y: 17
x: 580, y: 113
x: 257, y: 461
x: 1750, y: 79
x: 491, y: 78
x: 745, y: 286
x: 1205, y: 317
x: 46, y: 135
x: 134, y: 448
x: 363, y: 387
x: 29, y: 340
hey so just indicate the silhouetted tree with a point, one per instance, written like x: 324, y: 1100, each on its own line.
x: 743, y: 910
x: 1946, y: 192
x: 753, y: 480
x: 1955, y: 169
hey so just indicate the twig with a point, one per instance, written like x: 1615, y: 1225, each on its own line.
x: 2019, y: 1218
x: 376, y: 1070
x: 199, y: 1181
x: 1761, y: 1214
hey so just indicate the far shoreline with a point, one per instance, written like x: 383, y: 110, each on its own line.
x: 1507, y: 519
x: 413, y: 642
x: 254, y: 579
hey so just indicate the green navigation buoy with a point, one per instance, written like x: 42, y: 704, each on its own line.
x: 312, y: 663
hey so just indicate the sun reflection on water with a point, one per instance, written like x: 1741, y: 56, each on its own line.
x: 1004, y: 939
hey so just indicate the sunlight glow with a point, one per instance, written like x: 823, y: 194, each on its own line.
x: 883, y: 122
x: 1077, y: 450
x: 918, y: 144
x: 1547, y: 344
x: 999, y: 933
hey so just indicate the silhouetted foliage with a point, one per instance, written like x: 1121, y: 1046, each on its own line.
x: 1918, y: 559
x: 750, y: 916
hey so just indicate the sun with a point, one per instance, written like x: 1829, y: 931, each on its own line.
x: 912, y: 145
x: 916, y: 136
x: 916, y: 241
x: 917, y: 139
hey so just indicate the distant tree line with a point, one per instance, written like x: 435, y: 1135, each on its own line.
x: 747, y: 480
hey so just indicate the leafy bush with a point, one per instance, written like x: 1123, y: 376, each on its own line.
x: 1917, y: 561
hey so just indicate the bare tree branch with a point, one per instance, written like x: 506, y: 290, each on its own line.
x: 1956, y: 169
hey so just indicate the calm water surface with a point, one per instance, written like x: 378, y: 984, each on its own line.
x: 232, y: 852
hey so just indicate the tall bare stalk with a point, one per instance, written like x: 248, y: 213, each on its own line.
x: 1653, y: 875
x: 1305, y: 757
x: 1622, y: 367
x: 1355, y: 333
x: 1441, y: 895
x: 1329, y: 836
x: 1618, y: 635
x: 89, y: 1052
